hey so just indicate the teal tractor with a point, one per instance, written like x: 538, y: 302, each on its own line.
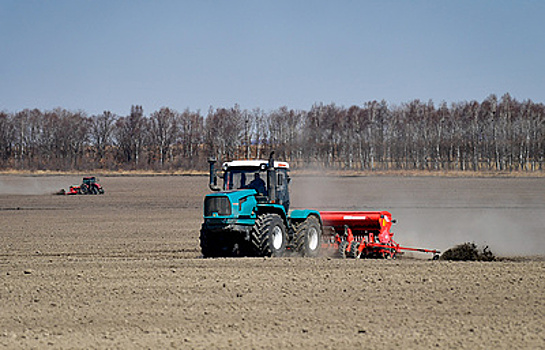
x: 250, y: 215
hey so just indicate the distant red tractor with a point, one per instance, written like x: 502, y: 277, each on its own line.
x: 90, y: 185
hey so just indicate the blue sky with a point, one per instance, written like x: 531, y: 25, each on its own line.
x: 108, y: 55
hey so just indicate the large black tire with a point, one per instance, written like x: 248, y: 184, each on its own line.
x: 268, y: 237
x: 209, y: 248
x: 308, y: 237
x: 84, y: 189
x: 217, y: 244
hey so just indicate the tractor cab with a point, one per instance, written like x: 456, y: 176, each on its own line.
x: 89, y: 181
x: 269, y: 179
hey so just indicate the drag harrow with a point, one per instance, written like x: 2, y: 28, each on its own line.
x: 363, y: 234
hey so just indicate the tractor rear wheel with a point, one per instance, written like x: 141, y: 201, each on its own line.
x: 308, y: 237
x: 268, y: 236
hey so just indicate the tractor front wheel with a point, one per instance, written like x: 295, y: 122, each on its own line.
x: 217, y: 244
x: 269, y: 236
x: 209, y: 246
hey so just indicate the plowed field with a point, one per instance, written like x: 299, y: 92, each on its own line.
x: 123, y: 270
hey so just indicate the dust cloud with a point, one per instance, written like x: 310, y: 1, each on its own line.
x: 35, y: 185
x: 506, y: 214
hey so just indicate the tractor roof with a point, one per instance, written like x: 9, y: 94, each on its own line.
x: 253, y: 163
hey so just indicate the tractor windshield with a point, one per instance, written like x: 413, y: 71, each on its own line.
x: 246, y: 178
x: 89, y: 180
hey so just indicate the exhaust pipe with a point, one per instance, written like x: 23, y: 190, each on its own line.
x: 213, y: 184
x: 271, y: 179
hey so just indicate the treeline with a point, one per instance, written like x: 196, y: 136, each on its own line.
x: 493, y: 135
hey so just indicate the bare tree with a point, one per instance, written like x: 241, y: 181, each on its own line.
x: 191, y: 136
x: 101, y: 133
x: 130, y: 136
x: 7, y: 138
x: 495, y: 134
x: 164, y: 130
x: 224, y: 132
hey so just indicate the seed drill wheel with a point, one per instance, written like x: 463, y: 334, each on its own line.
x: 390, y: 253
x: 342, y: 249
x: 354, y: 253
x: 308, y: 237
x: 268, y: 236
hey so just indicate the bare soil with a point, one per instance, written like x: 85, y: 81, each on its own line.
x: 123, y: 270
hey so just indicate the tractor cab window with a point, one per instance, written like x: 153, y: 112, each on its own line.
x: 241, y: 179
x: 89, y: 180
x: 283, y: 194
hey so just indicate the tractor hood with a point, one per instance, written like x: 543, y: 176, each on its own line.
x: 234, y: 195
x: 230, y: 204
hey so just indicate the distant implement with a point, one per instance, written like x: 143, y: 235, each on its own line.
x: 90, y: 185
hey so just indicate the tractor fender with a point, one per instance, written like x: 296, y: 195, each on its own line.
x: 299, y: 215
x: 274, y: 209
